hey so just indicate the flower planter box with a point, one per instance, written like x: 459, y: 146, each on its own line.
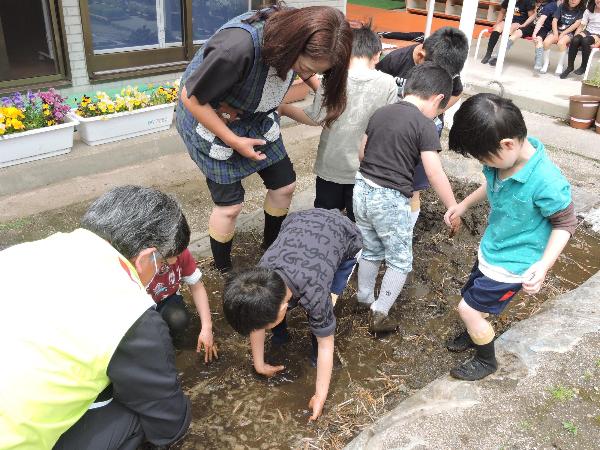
x: 124, y: 125
x: 588, y: 89
x: 297, y: 92
x: 18, y: 148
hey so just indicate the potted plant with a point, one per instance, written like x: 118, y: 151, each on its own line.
x: 297, y: 91
x: 34, y: 126
x: 591, y: 86
x: 131, y: 113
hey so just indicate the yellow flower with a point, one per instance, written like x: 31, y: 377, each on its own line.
x: 92, y: 108
x: 2, y: 128
x: 47, y: 113
x: 17, y: 124
x: 78, y: 112
x: 50, y: 122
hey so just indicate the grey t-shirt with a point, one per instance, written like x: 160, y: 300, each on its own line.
x: 396, y: 136
x: 309, y: 249
x: 337, y: 155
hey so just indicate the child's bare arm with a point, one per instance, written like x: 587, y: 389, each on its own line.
x: 257, y: 343
x: 457, y: 211
x: 361, y: 150
x: 571, y: 28
x: 437, y: 177
x: 536, y: 274
x: 205, y: 338
x: 297, y: 114
x: 538, y: 26
x: 555, y: 27
x: 324, y: 369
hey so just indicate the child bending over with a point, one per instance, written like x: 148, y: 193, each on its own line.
x: 531, y: 219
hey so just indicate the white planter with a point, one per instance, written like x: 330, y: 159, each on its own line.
x: 18, y: 148
x: 124, y: 125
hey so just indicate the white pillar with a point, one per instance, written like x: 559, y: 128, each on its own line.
x: 467, y: 18
x: 510, y: 10
x: 430, y: 9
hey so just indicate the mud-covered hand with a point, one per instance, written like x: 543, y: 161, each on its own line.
x: 534, y: 278
x: 206, y: 340
x: 268, y: 370
x: 316, y: 403
x: 245, y: 147
x: 455, y: 225
x: 453, y: 215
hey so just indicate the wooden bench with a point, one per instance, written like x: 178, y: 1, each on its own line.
x: 451, y: 9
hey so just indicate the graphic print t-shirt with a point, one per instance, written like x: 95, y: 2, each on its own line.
x: 166, y: 284
x: 566, y: 17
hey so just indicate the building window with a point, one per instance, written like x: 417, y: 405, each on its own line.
x: 30, y: 43
x: 209, y: 15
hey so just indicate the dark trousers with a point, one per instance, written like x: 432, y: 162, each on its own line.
x: 331, y: 195
x: 172, y: 309
x: 109, y: 427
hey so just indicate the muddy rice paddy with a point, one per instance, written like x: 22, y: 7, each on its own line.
x: 235, y: 408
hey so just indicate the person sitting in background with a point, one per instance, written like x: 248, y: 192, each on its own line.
x: 566, y: 20
x: 587, y: 36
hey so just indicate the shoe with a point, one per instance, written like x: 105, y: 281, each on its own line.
x: 474, y: 369
x: 362, y: 308
x: 460, y: 343
x: 486, y: 59
x: 493, y: 61
x: 381, y: 323
x: 566, y: 72
x: 580, y: 71
x: 559, y: 69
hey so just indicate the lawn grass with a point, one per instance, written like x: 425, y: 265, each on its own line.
x: 383, y: 4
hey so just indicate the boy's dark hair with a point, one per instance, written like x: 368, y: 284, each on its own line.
x: 482, y: 121
x: 252, y: 299
x: 365, y: 42
x: 427, y: 79
x: 447, y: 47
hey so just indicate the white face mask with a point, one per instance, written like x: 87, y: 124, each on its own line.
x: 155, y: 270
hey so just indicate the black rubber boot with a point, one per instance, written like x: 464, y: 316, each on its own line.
x: 580, y: 71
x: 480, y: 366
x: 460, y: 343
x: 566, y: 72
x: 272, y: 227
x: 221, y: 254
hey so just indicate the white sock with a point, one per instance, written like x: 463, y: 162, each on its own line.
x: 392, y: 284
x: 546, y: 61
x: 367, y: 276
x: 414, y: 216
x: 561, y: 62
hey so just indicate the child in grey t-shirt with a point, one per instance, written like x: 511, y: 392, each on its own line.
x: 337, y: 156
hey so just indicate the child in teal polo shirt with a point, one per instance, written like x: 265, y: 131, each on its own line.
x: 531, y: 220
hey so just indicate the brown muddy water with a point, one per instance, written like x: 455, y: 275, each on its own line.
x: 235, y: 408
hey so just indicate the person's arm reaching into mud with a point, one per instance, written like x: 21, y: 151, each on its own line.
x: 475, y: 197
x: 324, y: 369
x: 257, y: 343
x: 439, y: 181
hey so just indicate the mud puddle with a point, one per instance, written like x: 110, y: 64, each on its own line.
x: 235, y: 408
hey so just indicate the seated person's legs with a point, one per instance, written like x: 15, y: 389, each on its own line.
x: 172, y: 309
x: 563, y: 43
x: 550, y: 40
x: 494, y: 36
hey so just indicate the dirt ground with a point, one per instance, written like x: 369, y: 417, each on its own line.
x: 235, y: 408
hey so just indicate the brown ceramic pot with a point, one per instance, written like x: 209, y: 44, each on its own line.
x: 583, y: 110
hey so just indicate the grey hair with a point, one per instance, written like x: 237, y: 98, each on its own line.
x: 133, y: 218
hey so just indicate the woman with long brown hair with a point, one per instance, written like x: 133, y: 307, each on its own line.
x: 227, y: 110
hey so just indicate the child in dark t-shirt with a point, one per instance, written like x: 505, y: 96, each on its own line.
x: 398, y: 136
x: 308, y: 265
x: 567, y: 18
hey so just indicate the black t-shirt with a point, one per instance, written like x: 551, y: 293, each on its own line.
x: 522, y: 8
x: 399, y: 62
x: 567, y: 17
x: 228, y: 59
x: 396, y: 136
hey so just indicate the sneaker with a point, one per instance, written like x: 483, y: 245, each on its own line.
x: 493, y: 61
x: 460, y: 343
x: 486, y: 59
x: 381, y: 323
x: 580, y: 71
x: 474, y: 369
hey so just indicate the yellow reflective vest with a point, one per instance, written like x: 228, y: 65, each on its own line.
x: 67, y: 301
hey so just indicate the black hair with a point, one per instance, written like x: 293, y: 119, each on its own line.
x: 448, y: 47
x: 428, y: 79
x: 482, y: 121
x: 580, y: 6
x: 591, y: 5
x: 365, y: 42
x: 252, y: 299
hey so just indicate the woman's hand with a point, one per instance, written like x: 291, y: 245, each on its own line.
x: 245, y: 147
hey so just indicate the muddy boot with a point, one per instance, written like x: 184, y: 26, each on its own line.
x: 222, y: 254
x: 480, y: 366
x: 381, y: 323
x: 460, y: 343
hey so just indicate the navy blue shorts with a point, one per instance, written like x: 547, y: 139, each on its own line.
x: 341, y: 276
x: 486, y: 295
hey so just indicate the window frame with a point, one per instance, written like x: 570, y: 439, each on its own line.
x: 59, y: 40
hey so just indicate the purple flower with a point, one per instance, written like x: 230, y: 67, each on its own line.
x: 31, y: 96
x: 18, y: 100
x: 6, y: 102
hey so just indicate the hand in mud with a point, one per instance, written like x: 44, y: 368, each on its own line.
x: 534, y: 278
x: 316, y: 403
x: 205, y: 338
x: 455, y: 225
x: 245, y: 147
x: 268, y: 370
x: 454, y: 214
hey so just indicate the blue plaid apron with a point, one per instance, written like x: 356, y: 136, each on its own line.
x: 256, y: 100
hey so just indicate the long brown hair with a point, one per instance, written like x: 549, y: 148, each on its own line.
x: 318, y: 32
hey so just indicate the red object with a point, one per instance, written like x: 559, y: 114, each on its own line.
x: 165, y: 284
x: 506, y: 296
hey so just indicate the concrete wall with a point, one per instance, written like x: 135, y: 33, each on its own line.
x: 79, y: 75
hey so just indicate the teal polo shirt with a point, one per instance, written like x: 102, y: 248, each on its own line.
x: 518, y: 225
